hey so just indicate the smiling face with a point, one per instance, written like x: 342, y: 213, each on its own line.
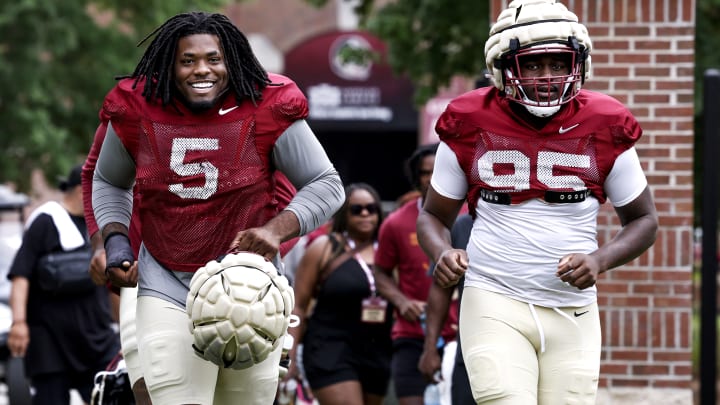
x: 200, y: 72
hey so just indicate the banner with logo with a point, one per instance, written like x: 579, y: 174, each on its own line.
x: 349, y: 85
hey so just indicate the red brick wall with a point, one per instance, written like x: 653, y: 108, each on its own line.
x: 643, y: 55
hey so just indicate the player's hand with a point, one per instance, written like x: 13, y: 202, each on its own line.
x: 121, y: 267
x: 429, y: 364
x: 256, y: 240
x: 450, y: 267
x: 411, y: 309
x: 119, y: 277
x: 97, y: 267
x: 578, y: 270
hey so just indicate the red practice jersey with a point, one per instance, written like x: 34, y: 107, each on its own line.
x: 202, y: 177
x: 504, y: 157
x: 398, y: 247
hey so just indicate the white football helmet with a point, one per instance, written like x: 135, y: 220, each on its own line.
x: 532, y: 27
x: 239, y: 309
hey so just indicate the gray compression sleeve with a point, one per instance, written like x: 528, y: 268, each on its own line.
x: 299, y: 155
x: 112, y: 191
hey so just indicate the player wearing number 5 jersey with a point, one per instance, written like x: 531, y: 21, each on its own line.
x: 535, y: 156
x: 200, y: 130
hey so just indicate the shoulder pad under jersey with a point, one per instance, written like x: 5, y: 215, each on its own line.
x: 122, y: 100
x: 611, y: 113
x: 284, y: 99
x: 457, y: 119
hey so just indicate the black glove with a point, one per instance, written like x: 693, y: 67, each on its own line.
x: 118, y: 251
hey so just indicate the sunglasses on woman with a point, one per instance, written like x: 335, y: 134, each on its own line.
x: 357, y: 209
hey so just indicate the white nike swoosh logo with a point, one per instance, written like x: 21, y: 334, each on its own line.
x: 563, y: 130
x: 223, y: 112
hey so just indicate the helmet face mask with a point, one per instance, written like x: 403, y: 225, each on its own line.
x: 543, y: 75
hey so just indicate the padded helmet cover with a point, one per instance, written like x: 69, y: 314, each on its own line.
x: 529, y: 23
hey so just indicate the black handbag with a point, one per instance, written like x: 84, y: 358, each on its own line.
x: 66, y: 272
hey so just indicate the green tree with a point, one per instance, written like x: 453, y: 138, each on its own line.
x: 57, y: 61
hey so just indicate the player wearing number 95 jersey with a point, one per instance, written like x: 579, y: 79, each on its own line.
x: 199, y: 129
x: 535, y: 156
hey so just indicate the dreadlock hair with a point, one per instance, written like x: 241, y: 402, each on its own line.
x: 247, y: 77
x: 412, y: 164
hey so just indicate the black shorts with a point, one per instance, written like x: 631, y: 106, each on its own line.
x: 407, y: 378
x: 328, y: 361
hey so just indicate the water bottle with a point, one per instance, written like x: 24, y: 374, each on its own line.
x: 432, y: 395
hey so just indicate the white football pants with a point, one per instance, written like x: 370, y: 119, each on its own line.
x: 175, y: 375
x: 519, y: 354
x: 128, y: 338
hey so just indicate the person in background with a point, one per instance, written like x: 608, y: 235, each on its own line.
x: 407, y: 290
x: 438, y: 304
x: 200, y: 128
x: 535, y: 156
x: 411, y: 195
x: 65, y: 337
x: 345, y: 325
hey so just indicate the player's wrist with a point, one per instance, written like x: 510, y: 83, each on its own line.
x: 430, y: 342
x: 112, y: 235
x: 443, y: 252
x: 118, y: 251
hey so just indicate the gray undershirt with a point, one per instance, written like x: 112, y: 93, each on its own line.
x: 297, y: 154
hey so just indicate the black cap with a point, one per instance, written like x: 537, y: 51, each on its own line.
x: 73, y: 179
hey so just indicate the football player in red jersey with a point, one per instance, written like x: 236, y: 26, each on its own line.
x: 535, y: 156
x: 199, y: 129
x: 402, y: 277
x: 127, y: 296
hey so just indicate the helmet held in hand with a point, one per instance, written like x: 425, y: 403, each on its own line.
x: 239, y: 309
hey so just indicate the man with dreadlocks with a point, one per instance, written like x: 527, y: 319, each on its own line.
x: 200, y: 129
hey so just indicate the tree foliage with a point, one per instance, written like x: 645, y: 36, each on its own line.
x: 57, y: 61
x: 707, y: 43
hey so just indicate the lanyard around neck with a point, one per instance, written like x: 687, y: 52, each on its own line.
x: 366, y: 269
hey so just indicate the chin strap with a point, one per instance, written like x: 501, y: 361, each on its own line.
x: 542, y: 112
